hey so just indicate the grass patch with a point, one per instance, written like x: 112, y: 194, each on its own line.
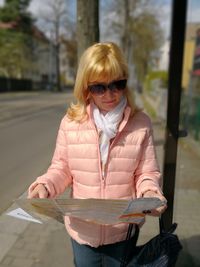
x: 148, y: 107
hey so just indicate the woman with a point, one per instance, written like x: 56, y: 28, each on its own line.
x: 104, y: 150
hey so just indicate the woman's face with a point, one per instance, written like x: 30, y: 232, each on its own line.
x: 108, y: 100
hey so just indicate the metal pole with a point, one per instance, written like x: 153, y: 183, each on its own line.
x: 179, y: 9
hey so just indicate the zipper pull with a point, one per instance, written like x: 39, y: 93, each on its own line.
x: 104, y: 175
x: 103, y: 171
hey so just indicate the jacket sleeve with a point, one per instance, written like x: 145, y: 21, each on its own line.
x: 147, y: 174
x: 58, y: 176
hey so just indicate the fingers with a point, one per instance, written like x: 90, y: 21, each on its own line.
x: 33, y: 194
x: 43, y: 193
x: 38, y: 192
x: 154, y: 194
x: 160, y: 210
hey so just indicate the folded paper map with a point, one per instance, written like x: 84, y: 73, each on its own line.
x: 101, y: 211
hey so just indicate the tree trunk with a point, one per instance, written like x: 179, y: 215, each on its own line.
x: 57, y: 46
x: 126, y: 43
x: 87, y: 24
x: 58, y: 85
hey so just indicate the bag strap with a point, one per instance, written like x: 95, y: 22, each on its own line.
x: 135, y: 238
x: 136, y: 234
x: 129, y: 246
x: 162, y: 228
x: 161, y: 225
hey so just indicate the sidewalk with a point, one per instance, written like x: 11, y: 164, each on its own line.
x: 25, y: 244
x: 186, y: 204
x: 187, y: 195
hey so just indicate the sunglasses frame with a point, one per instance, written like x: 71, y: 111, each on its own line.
x: 99, y: 89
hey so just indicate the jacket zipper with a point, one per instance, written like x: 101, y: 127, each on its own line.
x: 105, y: 169
x: 102, y: 180
x: 103, y: 174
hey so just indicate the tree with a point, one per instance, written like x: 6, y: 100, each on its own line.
x: 53, y: 21
x: 147, y: 39
x: 139, y: 32
x: 14, y: 54
x: 16, y: 11
x: 15, y: 39
x: 87, y: 24
x: 70, y: 52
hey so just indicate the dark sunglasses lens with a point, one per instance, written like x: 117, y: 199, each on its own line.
x: 120, y: 85
x: 97, y: 89
x: 100, y: 89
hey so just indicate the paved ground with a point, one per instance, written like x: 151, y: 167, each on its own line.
x: 25, y: 244
x: 17, y: 105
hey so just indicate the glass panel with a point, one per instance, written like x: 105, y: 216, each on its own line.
x: 187, y: 196
x: 154, y: 101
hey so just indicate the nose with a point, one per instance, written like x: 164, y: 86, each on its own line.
x: 109, y: 93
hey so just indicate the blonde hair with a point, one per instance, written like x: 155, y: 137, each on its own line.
x: 99, y: 62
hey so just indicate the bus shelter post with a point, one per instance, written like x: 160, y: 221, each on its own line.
x: 178, y: 25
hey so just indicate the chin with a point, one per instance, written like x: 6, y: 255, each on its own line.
x: 110, y: 106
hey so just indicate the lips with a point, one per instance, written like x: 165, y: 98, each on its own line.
x: 109, y: 102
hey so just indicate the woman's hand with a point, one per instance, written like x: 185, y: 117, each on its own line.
x: 158, y: 211
x: 39, y: 191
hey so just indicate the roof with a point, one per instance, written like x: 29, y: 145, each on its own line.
x: 12, y: 25
x: 8, y: 25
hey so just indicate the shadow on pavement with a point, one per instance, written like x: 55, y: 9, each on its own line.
x: 185, y: 258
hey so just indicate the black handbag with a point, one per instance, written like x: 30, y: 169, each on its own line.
x: 161, y: 251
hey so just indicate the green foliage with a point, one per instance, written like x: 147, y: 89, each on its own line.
x: 159, y: 75
x: 149, y: 109
x: 147, y: 38
x: 14, y: 53
x: 16, y: 11
x: 16, y: 42
x: 190, y: 114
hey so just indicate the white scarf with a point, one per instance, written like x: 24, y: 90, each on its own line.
x: 108, y: 124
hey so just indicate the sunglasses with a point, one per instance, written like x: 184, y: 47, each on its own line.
x: 100, y: 89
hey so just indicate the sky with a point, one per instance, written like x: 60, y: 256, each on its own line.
x: 165, y: 7
x: 194, y: 10
x: 194, y: 7
x: 37, y: 5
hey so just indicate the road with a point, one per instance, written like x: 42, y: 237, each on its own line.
x: 28, y: 130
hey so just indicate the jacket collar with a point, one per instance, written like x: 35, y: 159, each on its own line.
x: 125, y: 119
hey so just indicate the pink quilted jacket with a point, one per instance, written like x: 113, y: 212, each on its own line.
x: 131, y: 170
